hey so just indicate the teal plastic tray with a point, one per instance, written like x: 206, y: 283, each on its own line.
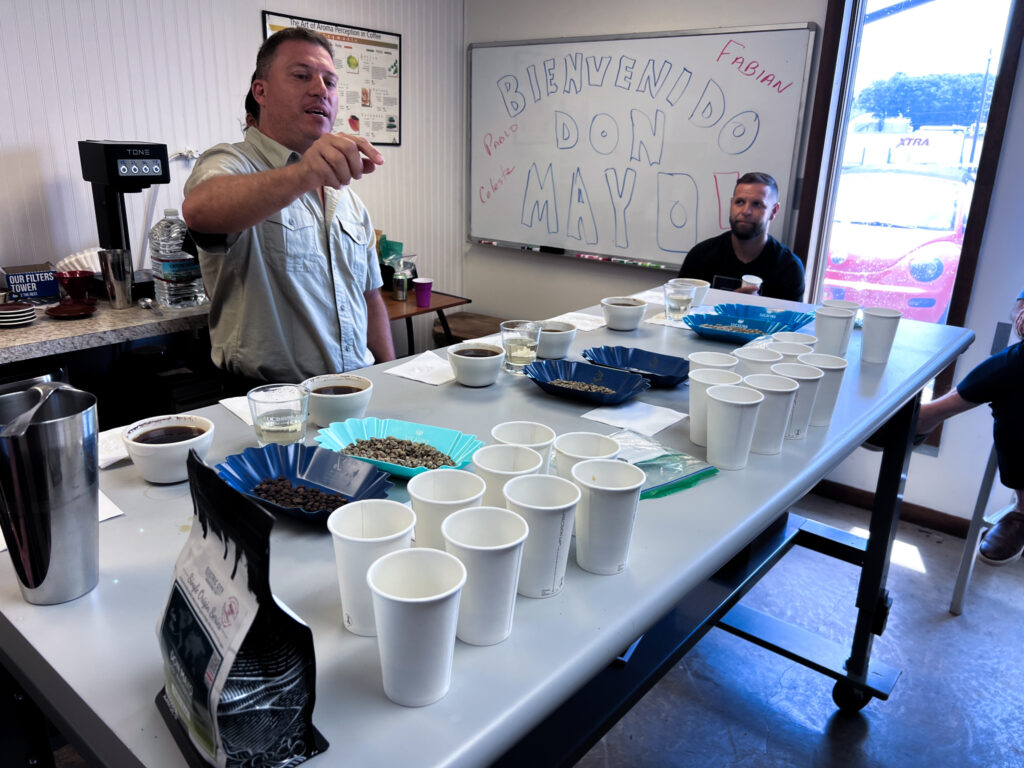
x: 459, y: 446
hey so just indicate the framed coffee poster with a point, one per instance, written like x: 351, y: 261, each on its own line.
x: 369, y: 69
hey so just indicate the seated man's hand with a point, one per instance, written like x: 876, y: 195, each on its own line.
x: 750, y: 289
x: 335, y: 159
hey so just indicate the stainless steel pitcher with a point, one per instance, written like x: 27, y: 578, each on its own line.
x: 49, y: 495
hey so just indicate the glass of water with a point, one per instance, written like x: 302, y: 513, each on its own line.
x: 279, y: 413
x: 678, y: 299
x: 520, y: 339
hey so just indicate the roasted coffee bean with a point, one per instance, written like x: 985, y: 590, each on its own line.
x: 280, y: 491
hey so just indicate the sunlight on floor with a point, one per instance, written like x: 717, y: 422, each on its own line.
x: 903, y: 554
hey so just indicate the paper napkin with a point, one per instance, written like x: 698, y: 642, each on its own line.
x: 108, y: 509
x: 111, y: 447
x: 240, y: 407
x: 581, y: 320
x: 640, y: 417
x: 426, y: 367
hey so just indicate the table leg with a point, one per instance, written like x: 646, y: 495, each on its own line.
x: 449, y: 339
x: 409, y: 337
x: 873, y: 600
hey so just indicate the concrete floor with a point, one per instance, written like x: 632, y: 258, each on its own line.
x: 957, y: 703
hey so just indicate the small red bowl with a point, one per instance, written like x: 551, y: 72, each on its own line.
x: 76, y: 283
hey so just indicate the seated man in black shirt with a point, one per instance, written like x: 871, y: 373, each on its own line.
x: 748, y: 249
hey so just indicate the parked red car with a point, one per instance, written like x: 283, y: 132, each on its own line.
x: 896, y: 237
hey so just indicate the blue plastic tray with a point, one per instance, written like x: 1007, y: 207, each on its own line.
x: 793, y: 321
x: 624, y: 385
x: 459, y: 446
x: 706, y: 326
x: 305, y: 465
x: 661, y: 370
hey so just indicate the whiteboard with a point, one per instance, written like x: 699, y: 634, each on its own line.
x: 628, y: 149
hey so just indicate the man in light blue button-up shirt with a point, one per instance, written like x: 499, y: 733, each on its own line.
x: 287, y: 249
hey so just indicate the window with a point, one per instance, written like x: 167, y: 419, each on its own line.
x: 915, y: 123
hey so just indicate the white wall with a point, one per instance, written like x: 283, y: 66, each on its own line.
x: 949, y: 482
x: 176, y: 72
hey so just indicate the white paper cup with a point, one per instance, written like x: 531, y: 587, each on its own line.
x: 880, y: 326
x: 497, y: 464
x: 528, y: 433
x: 732, y: 417
x: 573, y: 447
x: 489, y: 542
x: 808, y: 377
x: 364, y: 531
x: 796, y: 337
x: 755, y: 360
x: 751, y: 281
x: 437, y: 493
x: 700, y: 380
x: 711, y: 360
x: 841, y: 304
x: 788, y: 349
x: 548, y: 504
x: 773, y: 415
x: 833, y: 367
x: 833, y: 327
x: 610, y: 491
x: 416, y: 606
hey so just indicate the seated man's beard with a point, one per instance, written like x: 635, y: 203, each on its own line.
x: 755, y: 230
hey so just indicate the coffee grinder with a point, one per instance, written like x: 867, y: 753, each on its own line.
x: 113, y: 168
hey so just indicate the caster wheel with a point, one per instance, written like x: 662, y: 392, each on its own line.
x: 848, y: 698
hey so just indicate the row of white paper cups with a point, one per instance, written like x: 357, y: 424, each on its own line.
x: 480, y: 538
x: 833, y: 326
x: 733, y: 414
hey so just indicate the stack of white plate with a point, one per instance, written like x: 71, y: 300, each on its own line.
x: 16, y: 315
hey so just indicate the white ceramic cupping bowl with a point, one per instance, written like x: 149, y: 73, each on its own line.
x: 476, y: 371
x: 327, y: 409
x: 165, y: 462
x: 555, y: 339
x: 623, y: 313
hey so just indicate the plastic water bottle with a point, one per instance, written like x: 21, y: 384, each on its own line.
x: 177, y: 280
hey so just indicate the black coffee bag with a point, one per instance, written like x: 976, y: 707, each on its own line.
x: 239, y: 669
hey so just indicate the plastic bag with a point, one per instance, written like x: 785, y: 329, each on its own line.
x: 668, y: 470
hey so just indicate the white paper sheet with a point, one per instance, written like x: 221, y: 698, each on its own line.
x: 107, y: 510
x: 640, y: 417
x: 427, y: 367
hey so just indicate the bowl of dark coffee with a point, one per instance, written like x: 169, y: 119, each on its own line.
x: 556, y: 338
x: 159, y: 445
x: 475, y: 363
x: 623, y: 313
x: 337, y: 396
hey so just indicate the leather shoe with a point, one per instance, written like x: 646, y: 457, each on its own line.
x: 1003, y: 542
